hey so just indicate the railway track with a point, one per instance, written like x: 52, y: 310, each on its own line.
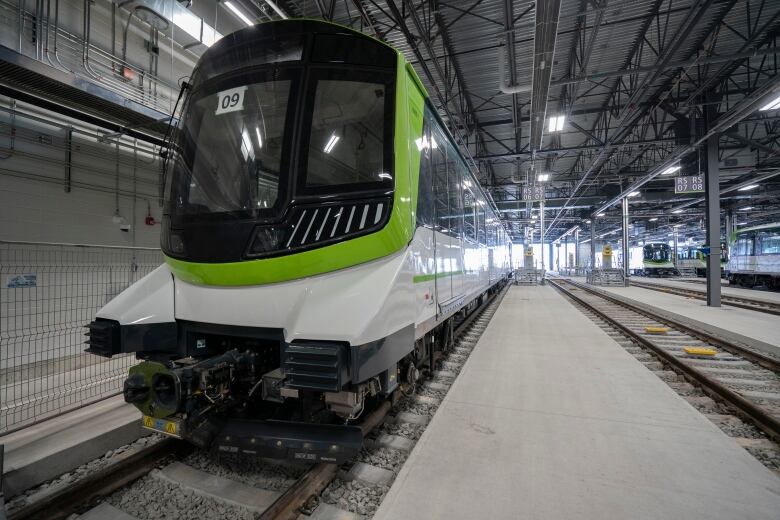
x: 176, y: 472
x: 727, y: 299
x: 748, y: 382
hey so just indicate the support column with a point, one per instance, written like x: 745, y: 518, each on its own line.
x: 593, y: 243
x: 626, y: 272
x: 712, y: 200
x: 675, y: 245
x: 541, y: 232
x: 576, y: 250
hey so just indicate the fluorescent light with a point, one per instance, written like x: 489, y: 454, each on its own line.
x: 677, y: 211
x: 238, y: 13
x: 747, y: 208
x: 653, y: 219
x: 543, y: 177
x: 259, y: 138
x: 556, y: 123
x: 772, y: 105
x: 331, y: 143
x: 670, y: 170
x: 587, y: 221
x: 599, y: 214
x: 742, y: 223
x: 748, y: 188
x: 385, y: 176
x: 633, y: 194
x: 533, y: 217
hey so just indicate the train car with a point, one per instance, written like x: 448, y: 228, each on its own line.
x: 321, y: 233
x: 657, y: 260
x: 692, y: 257
x: 755, y: 257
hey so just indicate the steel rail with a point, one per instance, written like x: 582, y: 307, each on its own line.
x: 102, y: 483
x: 727, y: 299
x: 762, y: 419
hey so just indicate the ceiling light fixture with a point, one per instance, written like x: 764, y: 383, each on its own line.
x: 556, y: 123
x: 746, y: 208
x: 599, y: 214
x: 772, y: 105
x: 748, y: 188
x: 543, y: 177
x: 653, y: 219
x: 670, y: 170
x: 633, y: 194
x: 677, y: 211
x: 236, y: 11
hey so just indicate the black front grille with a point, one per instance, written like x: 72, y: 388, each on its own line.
x: 312, y: 367
x: 103, y: 338
x: 306, y: 227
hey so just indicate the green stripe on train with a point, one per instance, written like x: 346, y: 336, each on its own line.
x: 428, y: 277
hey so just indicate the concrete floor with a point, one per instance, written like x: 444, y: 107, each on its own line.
x: 551, y: 419
x: 752, y: 324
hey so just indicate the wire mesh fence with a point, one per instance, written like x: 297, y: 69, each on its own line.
x: 49, y: 292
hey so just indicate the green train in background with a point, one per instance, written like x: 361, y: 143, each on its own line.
x: 322, y: 235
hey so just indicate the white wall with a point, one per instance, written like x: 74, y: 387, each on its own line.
x: 34, y: 205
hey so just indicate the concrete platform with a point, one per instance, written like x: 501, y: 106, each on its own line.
x: 741, y: 292
x: 48, y: 449
x: 754, y: 325
x: 551, y: 419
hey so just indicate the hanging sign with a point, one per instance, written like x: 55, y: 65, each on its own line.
x: 689, y: 184
x: 533, y: 193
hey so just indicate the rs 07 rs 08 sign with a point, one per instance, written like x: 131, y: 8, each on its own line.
x: 690, y: 184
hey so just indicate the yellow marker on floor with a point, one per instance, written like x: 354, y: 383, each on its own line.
x: 656, y: 330
x: 700, y: 351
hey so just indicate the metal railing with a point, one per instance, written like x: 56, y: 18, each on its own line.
x: 49, y: 292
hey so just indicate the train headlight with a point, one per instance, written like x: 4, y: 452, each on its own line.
x: 266, y: 240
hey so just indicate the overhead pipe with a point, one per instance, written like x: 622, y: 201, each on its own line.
x: 503, y: 81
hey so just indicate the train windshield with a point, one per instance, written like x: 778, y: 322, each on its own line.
x: 235, y: 143
x: 657, y: 252
x: 233, y: 148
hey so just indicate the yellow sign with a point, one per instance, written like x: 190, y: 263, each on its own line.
x: 161, y: 425
x: 607, y: 251
x: 529, y: 252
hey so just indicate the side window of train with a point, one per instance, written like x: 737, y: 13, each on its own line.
x: 770, y: 243
x: 425, y: 193
x: 454, y: 196
x: 481, y: 219
x: 469, y: 214
x: 441, y: 189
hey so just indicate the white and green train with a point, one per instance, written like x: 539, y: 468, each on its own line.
x: 695, y: 258
x: 657, y: 260
x: 755, y: 257
x: 321, y: 232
